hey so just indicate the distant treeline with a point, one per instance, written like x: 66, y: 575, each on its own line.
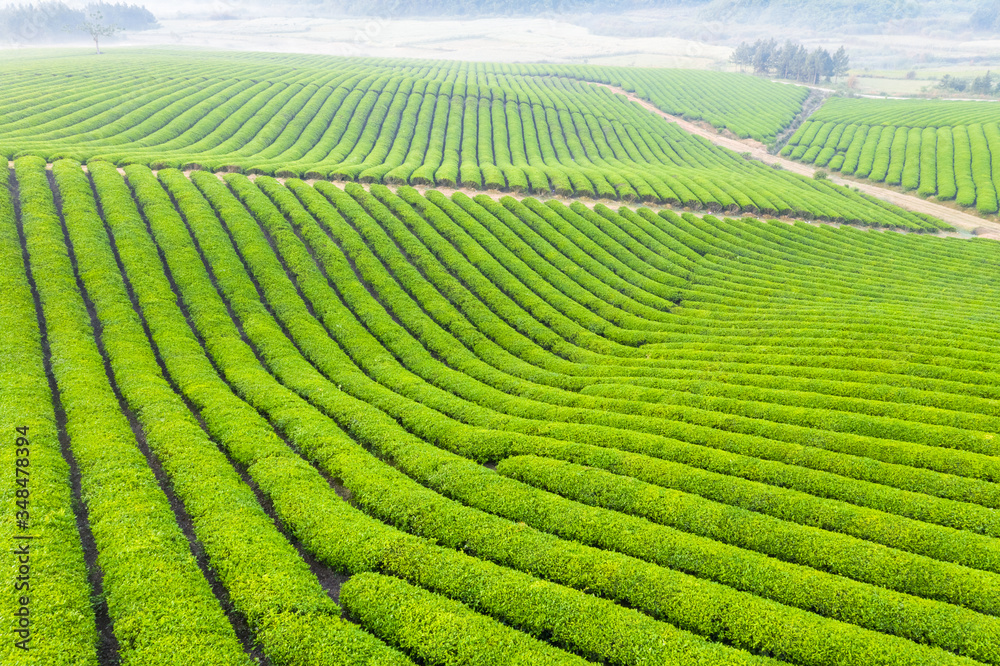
x: 981, y: 85
x: 845, y: 16
x: 791, y: 61
x: 839, y: 14
x: 55, y: 22
x: 391, y: 8
x: 798, y: 12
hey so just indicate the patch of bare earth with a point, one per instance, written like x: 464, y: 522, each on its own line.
x: 759, y: 152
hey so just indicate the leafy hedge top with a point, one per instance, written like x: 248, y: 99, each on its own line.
x: 748, y: 106
x: 908, y: 112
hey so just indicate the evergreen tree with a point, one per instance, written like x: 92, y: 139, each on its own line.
x: 955, y: 83
x: 791, y: 61
x: 841, y: 62
x: 816, y: 66
x: 983, y: 85
x: 763, y: 54
x: 742, y: 55
x: 784, y: 58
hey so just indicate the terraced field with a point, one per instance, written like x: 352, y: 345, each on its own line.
x: 946, y: 149
x: 519, y: 128
x: 313, y: 424
x: 267, y: 403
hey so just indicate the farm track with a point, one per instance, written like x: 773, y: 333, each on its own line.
x: 757, y: 151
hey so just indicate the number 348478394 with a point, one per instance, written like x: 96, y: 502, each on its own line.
x: 22, y: 464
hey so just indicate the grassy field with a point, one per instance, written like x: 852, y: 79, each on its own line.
x: 286, y: 409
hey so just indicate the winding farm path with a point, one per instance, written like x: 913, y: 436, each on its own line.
x: 759, y: 152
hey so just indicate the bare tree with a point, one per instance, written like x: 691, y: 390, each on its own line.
x: 95, y: 25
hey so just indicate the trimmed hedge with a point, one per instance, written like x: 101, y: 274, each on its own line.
x: 440, y: 631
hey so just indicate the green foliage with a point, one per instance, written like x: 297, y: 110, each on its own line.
x: 980, y: 85
x: 942, y: 148
x: 62, y: 625
x: 267, y: 581
x: 697, y: 431
x: 438, y: 630
x: 512, y: 128
x: 516, y: 598
x: 791, y: 61
x: 146, y: 561
x: 905, y: 112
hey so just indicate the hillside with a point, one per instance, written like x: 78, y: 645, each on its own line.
x: 945, y: 149
x: 329, y: 361
x: 703, y: 431
x: 534, y: 128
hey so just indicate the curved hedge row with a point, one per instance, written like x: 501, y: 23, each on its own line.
x: 147, y: 563
x: 906, y: 112
x: 516, y: 128
x: 705, y: 431
x: 438, y: 630
x: 266, y: 580
x: 38, y: 497
x: 942, y: 148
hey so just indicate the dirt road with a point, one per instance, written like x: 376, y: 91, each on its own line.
x: 759, y: 152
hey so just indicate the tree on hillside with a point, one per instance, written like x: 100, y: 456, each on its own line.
x: 841, y: 62
x: 799, y: 67
x: 983, y: 85
x: 763, y: 55
x: 742, y: 55
x: 791, y: 61
x: 95, y: 25
x: 820, y: 65
x: 785, y: 62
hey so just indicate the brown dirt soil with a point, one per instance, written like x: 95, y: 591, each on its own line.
x: 907, y: 201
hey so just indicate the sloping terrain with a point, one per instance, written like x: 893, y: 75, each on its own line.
x: 945, y: 149
x: 314, y: 424
x: 518, y: 128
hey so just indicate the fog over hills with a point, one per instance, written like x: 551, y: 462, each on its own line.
x: 843, y: 15
x: 955, y: 37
